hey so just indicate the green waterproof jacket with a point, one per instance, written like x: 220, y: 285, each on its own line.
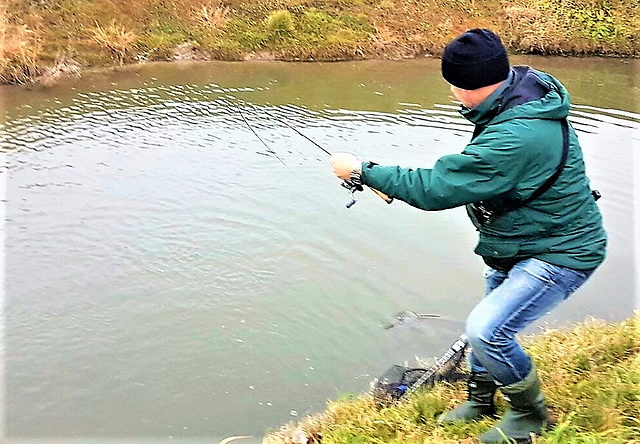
x: 516, y: 148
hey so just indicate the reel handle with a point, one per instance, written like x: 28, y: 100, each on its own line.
x: 353, y: 187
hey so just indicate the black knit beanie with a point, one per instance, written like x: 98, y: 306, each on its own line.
x: 475, y: 59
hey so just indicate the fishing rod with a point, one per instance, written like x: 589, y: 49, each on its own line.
x: 352, y: 185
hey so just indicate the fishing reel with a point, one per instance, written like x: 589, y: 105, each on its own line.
x: 353, y: 184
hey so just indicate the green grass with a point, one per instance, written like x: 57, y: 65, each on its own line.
x: 590, y: 375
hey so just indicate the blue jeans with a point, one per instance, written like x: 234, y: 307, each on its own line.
x: 513, y: 301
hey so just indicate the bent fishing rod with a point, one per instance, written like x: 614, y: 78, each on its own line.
x: 352, y: 185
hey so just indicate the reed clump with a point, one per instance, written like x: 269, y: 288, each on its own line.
x: 19, y: 47
x: 115, y: 39
x: 104, y: 32
x: 590, y: 375
x: 211, y: 17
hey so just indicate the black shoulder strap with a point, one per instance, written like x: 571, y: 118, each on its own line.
x: 484, y: 214
x: 563, y: 160
x: 514, y: 205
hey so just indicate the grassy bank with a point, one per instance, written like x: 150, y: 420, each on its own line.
x: 54, y: 37
x: 590, y: 374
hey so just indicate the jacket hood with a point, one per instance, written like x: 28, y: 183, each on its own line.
x: 527, y: 93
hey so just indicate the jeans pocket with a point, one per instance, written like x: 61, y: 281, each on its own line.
x: 492, y: 278
x: 488, y: 272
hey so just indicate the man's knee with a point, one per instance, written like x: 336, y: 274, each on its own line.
x: 484, y: 331
x: 478, y: 330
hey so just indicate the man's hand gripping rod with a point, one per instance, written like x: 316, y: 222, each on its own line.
x: 352, y: 184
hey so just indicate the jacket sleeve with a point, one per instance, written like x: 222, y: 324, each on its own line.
x: 478, y: 173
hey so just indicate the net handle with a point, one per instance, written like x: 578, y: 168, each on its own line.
x: 458, y: 346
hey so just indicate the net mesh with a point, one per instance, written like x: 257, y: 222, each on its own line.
x: 400, y: 380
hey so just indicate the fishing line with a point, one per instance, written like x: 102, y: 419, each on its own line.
x: 269, y: 150
x: 294, y: 129
x: 351, y: 185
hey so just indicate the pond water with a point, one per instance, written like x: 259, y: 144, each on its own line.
x: 168, y: 277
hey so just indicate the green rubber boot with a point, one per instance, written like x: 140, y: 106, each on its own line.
x: 481, y: 388
x: 527, y: 413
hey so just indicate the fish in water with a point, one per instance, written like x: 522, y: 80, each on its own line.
x: 408, y: 317
x: 235, y: 438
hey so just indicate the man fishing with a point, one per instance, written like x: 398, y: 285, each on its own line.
x: 522, y: 179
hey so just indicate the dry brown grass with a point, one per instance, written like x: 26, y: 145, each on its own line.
x: 212, y: 17
x: 115, y: 39
x: 19, y: 47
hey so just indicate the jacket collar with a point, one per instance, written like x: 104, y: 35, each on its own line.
x: 548, y: 99
x: 491, y: 106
